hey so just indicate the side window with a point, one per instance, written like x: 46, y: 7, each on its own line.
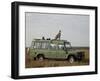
x: 37, y: 45
x: 44, y: 45
x: 54, y: 46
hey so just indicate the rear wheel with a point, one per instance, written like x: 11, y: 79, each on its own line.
x: 40, y: 57
x: 71, y: 59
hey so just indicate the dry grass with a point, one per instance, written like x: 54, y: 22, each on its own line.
x: 52, y: 63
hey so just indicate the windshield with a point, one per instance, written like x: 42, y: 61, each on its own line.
x: 68, y: 46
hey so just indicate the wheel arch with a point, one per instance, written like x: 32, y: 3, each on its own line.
x: 71, y: 55
x: 40, y: 54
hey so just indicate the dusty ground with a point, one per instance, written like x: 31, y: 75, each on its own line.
x: 29, y: 63
x: 52, y: 63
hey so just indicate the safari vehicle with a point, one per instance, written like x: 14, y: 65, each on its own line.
x: 54, y: 49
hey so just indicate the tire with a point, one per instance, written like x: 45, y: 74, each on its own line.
x: 71, y: 59
x: 40, y: 57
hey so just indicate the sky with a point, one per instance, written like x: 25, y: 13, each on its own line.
x: 74, y: 27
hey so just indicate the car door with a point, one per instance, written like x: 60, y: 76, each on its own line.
x: 61, y: 53
x: 52, y: 52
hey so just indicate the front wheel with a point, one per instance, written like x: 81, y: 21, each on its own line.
x: 71, y: 59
